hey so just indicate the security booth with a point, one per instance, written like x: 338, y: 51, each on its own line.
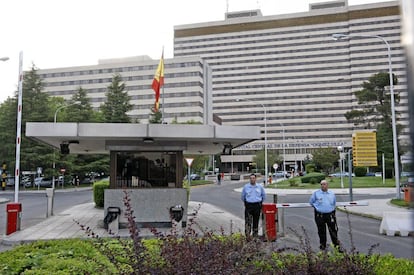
x: 146, y: 161
x: 153, y: 182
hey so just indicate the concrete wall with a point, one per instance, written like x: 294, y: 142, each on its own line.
x: 151, y: 206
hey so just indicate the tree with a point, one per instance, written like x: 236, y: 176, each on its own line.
x: 198, y: 163
x: 272, y: 157
x: 36, y: 107
x: 82, y: 164
x: 374, y: 112
x: 117, y: 102
x: 155, y: 117
x: 325, y: 159
x: 374, y: 102
x: 81, y: 112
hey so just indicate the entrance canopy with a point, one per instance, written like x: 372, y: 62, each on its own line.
x: 101, y: 138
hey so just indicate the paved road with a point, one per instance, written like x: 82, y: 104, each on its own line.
x: 364, y: 231
x: 34, y: 205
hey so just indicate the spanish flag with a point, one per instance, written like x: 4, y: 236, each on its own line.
x: 158, y: 81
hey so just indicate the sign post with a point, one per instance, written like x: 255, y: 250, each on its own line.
x: 189, y: 162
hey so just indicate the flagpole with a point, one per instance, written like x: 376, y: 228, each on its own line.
x: 162, y: 109
x: 162, y: 94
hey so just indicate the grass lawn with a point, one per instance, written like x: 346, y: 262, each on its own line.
x: 357, y: 182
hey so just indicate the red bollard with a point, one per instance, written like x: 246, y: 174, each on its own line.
x: 13, y: 217
x: 269, y: 227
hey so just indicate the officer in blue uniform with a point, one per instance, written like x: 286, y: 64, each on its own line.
x: 324, y: 203
x: 252, y: 195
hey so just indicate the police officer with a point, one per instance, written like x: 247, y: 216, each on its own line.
x: 324, y: 203
x: 253, y: 196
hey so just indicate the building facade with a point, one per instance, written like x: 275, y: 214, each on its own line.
x: 186, y: 95
x: 287, y: 70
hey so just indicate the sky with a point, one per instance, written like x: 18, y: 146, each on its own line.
x: 65, y: 33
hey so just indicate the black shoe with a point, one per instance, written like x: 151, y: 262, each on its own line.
x: 322, y: 247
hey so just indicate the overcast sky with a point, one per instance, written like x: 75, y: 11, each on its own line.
x: 63, y: 33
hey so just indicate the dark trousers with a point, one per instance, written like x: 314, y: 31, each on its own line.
x: 251, y: 217
x: 324, y: 220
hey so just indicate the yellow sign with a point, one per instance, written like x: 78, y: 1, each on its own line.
x: 364, y: 149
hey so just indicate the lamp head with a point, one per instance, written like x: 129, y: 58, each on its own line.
x: 4, y: 58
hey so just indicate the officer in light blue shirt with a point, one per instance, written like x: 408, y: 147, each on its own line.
x: 324, y: 203
x: 252, y: 195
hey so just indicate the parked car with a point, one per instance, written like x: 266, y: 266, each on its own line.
x: 10, y: 181
x: 195, y: 177
x: 26, y: 181
x: 338, y: 175
x: 279, y: 174
x: 43, y: 182
x: 407, y: 174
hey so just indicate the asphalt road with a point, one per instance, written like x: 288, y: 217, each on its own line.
x: 34, y: 205
x: 354, y: 231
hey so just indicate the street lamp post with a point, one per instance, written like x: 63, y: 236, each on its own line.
x: 54, y: 121
x: 284, y: 152
x: 265, y: 132
x: 341, y: 168
x: 338, y: 36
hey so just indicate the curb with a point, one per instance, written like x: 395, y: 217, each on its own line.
x: 359, y: 214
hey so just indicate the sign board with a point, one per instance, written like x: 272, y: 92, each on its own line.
x: 39, y: 170
x: 364, y: 149
x: 275, y: 166
x: 189, y: 161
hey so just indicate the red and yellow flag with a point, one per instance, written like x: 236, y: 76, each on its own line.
x: 158, y: 81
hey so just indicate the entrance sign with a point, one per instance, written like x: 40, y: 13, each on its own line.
x: 364, y: 149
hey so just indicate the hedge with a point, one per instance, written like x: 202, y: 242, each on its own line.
x: 313, y: 178
x: 99, y: 191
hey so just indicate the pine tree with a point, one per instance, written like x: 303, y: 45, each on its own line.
x: 117, y: 102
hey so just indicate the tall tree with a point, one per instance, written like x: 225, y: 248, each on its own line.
x: 117, y: 102
x: 81, y: 108
x: 36, y: 108
x: 8, y: 115
x: 374, y: 102
x: 374, y: 112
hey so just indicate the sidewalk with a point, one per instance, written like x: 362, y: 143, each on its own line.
x: 208, y: 217
x: 62, y: 226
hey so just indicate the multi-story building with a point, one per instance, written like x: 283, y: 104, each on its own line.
x: 186, y: 96
x: 282, y: 71
x: 286, y: 71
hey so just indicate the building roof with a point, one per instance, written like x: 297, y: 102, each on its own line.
x: 100, y: 138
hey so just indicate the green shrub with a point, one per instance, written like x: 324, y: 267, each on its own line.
x: 310, y: 168
x: 313, y: 181
x: 293, y: 183
x: 388, y: 264
x: 77, y: 256
x: 99, y: 191
x: 360, y: 171
x: 313, y: 178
